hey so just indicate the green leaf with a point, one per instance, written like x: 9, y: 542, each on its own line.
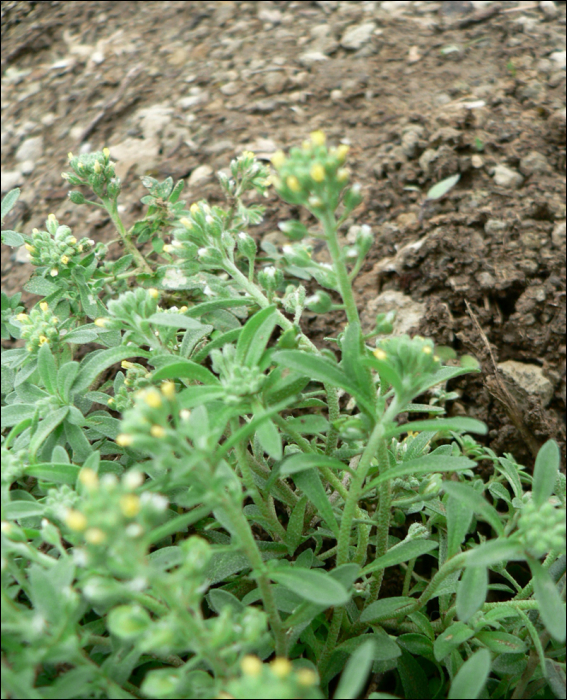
x: 501, y: 642
x: 80, y: 336
x: 9, y: 201
x: 14, y: 510
x: 353, y: 351
x: 198, y: 395
x: 92, y: 366
x: 57, y: 473
x: 321, y: 370
x: 185, y: 368
x: 15, y: 413
x: 551, y: 607
x: 494, y: 552
x: 45, y: 428
x: 313, y: 585
x: 450, y: 639
x: 459, y: 517
x: 12, y: 238
x: 387, y: 608
x: 413, y: 677
x: 471, y: 592
x: 270, y: 438
x: 545, y: 472
x: 427, y: 463
x: 47, y: 368
x: 457, y: 424
x: 255, y: 335
x: 384, y: 647
x: 219, y: 341
x: 66, y: 375
x: 294, y: 533
x: 441, y: 188
x: 208, y: 306
x: 404, y: 551
x: 301, y: 461
x: 219, y: 599
x: 310, y: 483
x: 40, y: 286
x: 173, y: 320
x: 471, y: 677
x: 353, y: 678
x: 476, y: 502
x: 310, y: 424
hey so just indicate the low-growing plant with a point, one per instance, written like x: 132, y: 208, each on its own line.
x: 199, y: 502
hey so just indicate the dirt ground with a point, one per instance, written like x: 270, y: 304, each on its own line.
x: 419, y: 90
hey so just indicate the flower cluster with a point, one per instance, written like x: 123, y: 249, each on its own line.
x: 137, y: 378
x: 542, y: 530
x: 56, y: 248
x: 111, y: 520
x: 406, y: 363
x: 39, y: 327
x: 95, y: 170
x: 312, y: 175
x: 147, y: 424
x: 241, y: 383
x: 280, y: 676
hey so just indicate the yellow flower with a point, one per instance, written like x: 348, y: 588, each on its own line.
x: 379, y: 354
x: 168, y: 248
x: 100, y: 322
x: 130, y: 505
x: 54, y: 272
x: 194, y: 208
x: 318, y: 138
x: 185, y: 222
x: 43, y: 339
x: 125, y: 364
x: 251, y: 666
x: 22, y: 318
x: 72, y: 240
x: 110, y: 401
x: 94, y: 535
x: 281, y: 668
x: 88, y: 477
x: 51, y: 217
x: 157, y: 431
x: 293, y: 183
x: 97, y: 167
x: 152, y: 398
x: 124, y: 440
x: 342, y: 175
x: 75, y: 520
x: 278, y: 159
x: 153, y: 292
x: 317, y: 172
x: 106, y: 152
x: 426, y: 350
x: 64, y: 259
x: 342, y: 151
x: 29, y: 248
x: 168, y: 389
x: 70, y: 155
x: 306, y: 677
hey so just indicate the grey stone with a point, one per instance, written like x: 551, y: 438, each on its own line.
x: 534, y: 162
x: 11, y: 179
x: 548, y: 8
x: 30, y: 149
x: 506, y: 177
x: 409, y: 313
x: 200, y: 175
x: 275, y: 82
x: 526, y: 380
x: 310, y: 57
x: 355, y: 37
x: 558, y: 234
x: 559, y: 57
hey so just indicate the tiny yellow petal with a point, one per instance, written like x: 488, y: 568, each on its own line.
x: 317, y: 172
x: 426, y: 350
x: 152, y: 398
x: 54, y: 272
x: 342, y: 151
x: 43, y: 339
x: 29, y: 248
x: 306, y: 677
x: 157, y: 431
x: 342, y: 175
x: 124, y: 440
x: 251, y: 666
x: 75, y: 520
x: 94, y: 535
x: 110, y: 402
x: 70, y: 155
x: 130, y: 505
x: 88, y: 477
x: 153, y: 292
x: 72, y: 240
x: 64, y: 259
x: 281, y: 668
x: 44, y: 306
x: 379, y: 354
x: 278, y: 159
x: 293, y: 183
x: 194, y: 208
x: 126, y: 365
x: 168, y: 390
x: 436, y: 358
x: 51, y: 217
x: 100, y: 322
x: 22, y: 318
x: 106, y: 152
x: 185, y: 222
x: 318, y: 138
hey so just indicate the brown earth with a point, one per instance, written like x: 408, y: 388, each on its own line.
x: 421, y: 91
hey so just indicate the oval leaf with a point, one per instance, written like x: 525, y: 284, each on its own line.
x: 313, y: 585
x: 469, y: 681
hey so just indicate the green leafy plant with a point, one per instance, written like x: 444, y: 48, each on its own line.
x: 198, y: 502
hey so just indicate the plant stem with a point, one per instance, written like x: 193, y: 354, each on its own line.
x: 382, y: 520
x: 332, y: 637
x: 250, y: 547
x: 330, y: 227
x: 110, y: 207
